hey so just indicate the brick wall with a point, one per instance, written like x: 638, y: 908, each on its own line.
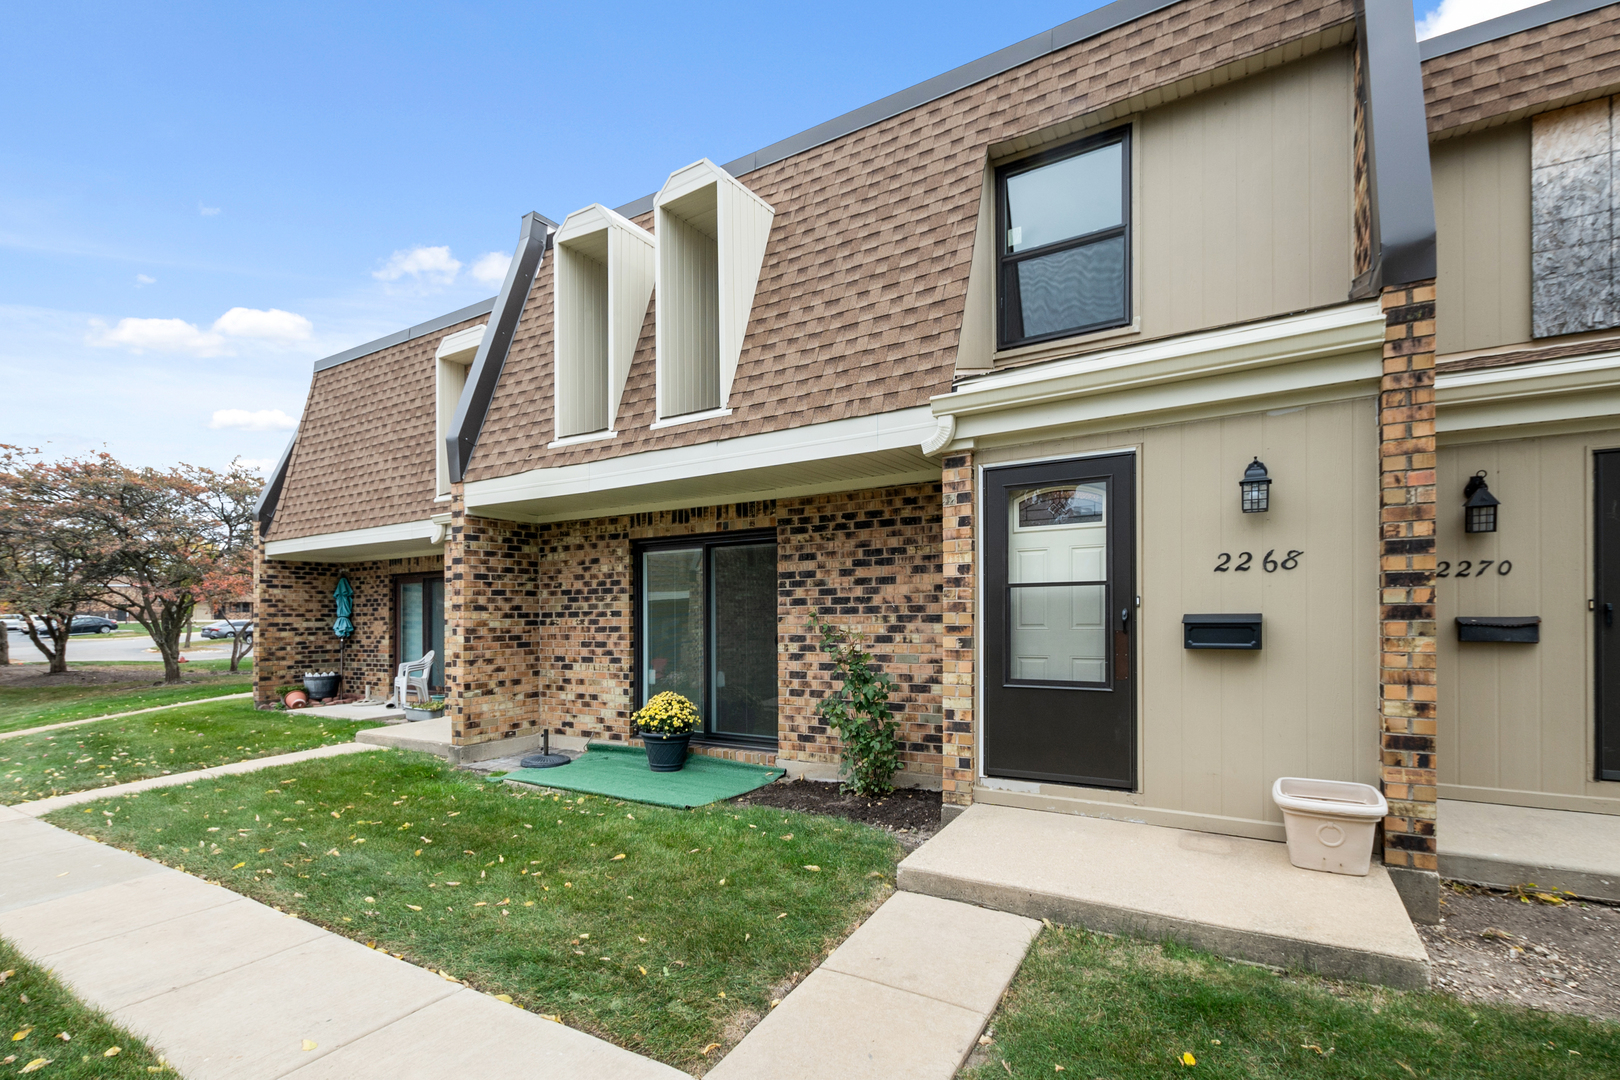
x: 542, y: 616
x: 1406, y: 578
x: 957, y: 653
x: 295, y: 613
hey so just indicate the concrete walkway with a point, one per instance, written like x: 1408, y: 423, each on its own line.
x: 433, y: 737
x: 1491, y: 844
x: 1230, y: 895
x: 118, y: 715
x: 41, y: 807
x: 226, y: 988
x: 907, y: 995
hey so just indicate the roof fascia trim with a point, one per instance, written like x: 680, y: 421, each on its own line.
x: 264, y: 511
x: 1398, y: 146
x: 534, y: 236
x: 1514, y: 22
x: 1086, y: 26
x: 471, y: 311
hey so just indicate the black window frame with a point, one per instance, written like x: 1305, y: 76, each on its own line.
x: 1007, y: 262
x: 707, y: 541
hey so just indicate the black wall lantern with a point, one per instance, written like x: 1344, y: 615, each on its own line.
x: 1479, y: 505
x: 1256, y: 488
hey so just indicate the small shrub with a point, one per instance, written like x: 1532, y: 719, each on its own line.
x: 859, y: 711
x: 667, y: 713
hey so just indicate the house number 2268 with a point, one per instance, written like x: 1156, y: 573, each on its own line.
x: 1268, y: 562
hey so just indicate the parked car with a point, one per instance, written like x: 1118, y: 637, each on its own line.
x: 14, y: 624
x: 91, y: 624
x: 227, y: 628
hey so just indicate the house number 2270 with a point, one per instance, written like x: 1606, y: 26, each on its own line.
x: 1268, y: 562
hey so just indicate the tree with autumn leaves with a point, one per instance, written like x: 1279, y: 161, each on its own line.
x: 152, y: 542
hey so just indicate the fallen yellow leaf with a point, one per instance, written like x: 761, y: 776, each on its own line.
x: 812, y: 868
x: 710, y: 1049
x: 4, y: 975
x: 553, y: 1019
x: 35, y: 1065
x: 21, y: 1035
x: 414, y: 907
x: 308, y: 1045
x: 113, y: 1051
x: 1188, y: 1059
x: 239, y: 866
x: 617, y: 857
x: 504, y: 997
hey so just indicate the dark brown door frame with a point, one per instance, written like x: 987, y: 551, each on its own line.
x: 1606, y: 608
x: 1078, y: 734
x: 396, y: 627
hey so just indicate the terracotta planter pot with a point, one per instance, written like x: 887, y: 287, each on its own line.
x: 295, y: 699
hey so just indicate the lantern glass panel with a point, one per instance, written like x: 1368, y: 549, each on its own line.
x: 1256, y: 496
x: 1481, y: 519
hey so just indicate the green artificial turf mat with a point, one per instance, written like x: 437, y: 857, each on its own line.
x: 621, y: 772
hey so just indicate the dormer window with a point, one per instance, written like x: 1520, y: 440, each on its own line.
x: 455, y: 355
x: 1064, y: 222
x: 606, y: 266
x: 712, y: 233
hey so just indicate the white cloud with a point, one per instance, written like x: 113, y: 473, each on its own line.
x: 207, y: 211
x: 271, y: 325
x: 258, y: 465
x: 256, y: 420
x: 1452, y: 15
x: 428, y: 264
x: 144, y: 279
x: 159, y: 335
x: 491, y: 269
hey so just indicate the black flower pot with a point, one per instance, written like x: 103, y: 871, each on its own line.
x: 665, y: 753
x: 321, y: 686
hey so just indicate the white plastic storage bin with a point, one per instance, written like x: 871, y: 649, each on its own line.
x: 1330, y: 823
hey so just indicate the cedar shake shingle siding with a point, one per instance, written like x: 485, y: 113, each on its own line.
x: 864, y: 282
x: 365, y: 451
x: 1560, y: 63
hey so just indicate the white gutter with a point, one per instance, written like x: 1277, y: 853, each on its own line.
x: 410, y: 538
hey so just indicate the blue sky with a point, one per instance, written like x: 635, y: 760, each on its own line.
x: 197, y: 200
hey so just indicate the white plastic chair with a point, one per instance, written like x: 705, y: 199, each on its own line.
x: 413, y: 675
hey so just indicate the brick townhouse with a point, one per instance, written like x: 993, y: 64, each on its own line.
x: 1122, y: 387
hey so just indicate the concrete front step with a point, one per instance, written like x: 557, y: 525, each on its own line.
x: 1505, y: 846
x: 434, y: 737
x: 1230, y: 895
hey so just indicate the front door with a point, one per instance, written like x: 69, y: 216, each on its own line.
x: 1060, y: 626
x: 1607, y: 608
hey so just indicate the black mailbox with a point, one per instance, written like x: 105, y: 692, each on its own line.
x: 1221, y: 631
x: 1522, y: 629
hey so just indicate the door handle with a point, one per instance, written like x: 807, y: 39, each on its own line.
x: 1125, y: 616
x: 1608, y: 614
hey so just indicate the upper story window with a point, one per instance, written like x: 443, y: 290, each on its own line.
x: 1064, y: 257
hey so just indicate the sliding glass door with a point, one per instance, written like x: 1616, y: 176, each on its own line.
x: 707, y: 630
x: 419, y: 605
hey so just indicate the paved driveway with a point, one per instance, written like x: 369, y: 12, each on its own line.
x: 95, y: 647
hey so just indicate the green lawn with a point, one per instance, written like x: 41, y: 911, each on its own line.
x: 153, y: 744
x: 36, y: 706
x: 665, y: 931
x: 35, y: 1009
x: 1129, y: 1010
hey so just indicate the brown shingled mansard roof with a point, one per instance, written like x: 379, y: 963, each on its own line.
x: 861, y: 295
x: 365, y: 449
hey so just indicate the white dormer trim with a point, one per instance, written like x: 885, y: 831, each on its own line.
x: 450, y: 362
x: 606, y: 267
x: 712, y: 232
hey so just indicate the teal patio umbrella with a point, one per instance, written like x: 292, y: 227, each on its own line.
x: 343, y: 626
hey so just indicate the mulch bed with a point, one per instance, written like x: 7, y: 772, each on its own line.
x: 28, y: 675
x: 1493, y: 946
x: 908, y: 812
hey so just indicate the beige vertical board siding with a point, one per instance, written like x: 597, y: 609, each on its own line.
x: 451, y: 379
x: 1246, y: 199
x: 744, y: 229
x: 1516, y: 721
x: 1482, y: 224
x: 688, y: 313
x: 976, y: 347
x: 1218, y: 727
x: 632, y: 271
x: 582, y: 335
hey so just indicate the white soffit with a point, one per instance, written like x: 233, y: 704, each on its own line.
x: 405, y: 540
x: 1581, y: 390
x: 741, y: 230
x: 462, y: 346
x: 1320, y: 355
x: 631, y: 256
x: 840, y: 455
